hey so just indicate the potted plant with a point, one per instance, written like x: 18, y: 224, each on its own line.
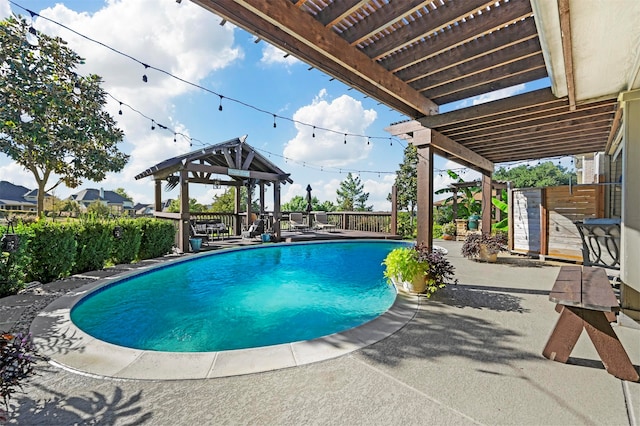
x: 485, y: 246
x: 449, y: 231
x: 418, y: 269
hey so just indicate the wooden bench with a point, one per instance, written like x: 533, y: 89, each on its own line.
x: 585, y: 299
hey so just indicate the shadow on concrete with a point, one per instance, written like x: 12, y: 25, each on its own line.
x: 482, y: 297
x: 90, y: 408
x: 438, y: 331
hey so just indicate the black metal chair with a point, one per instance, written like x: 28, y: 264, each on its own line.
x: 600, y: 242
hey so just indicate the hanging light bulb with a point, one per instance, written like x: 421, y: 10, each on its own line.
x: 220, y: 106
x: 274, y: 121
x: 120, y: 111
x: 144, y: 76
x: 368, y: 141
x: 345, y: 138
x: 313, y: 135
x: 153, y: 125
x: 390, y: 142
x: 174, y: 138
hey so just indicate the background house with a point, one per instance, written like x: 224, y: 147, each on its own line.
x: 116, y: 202
x: 18, y: 197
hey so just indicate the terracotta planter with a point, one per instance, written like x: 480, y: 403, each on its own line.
x: 448, y: 237
x: 485, y: 256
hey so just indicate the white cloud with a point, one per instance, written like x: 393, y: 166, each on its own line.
x: 345, y: 115
x: 17, y: 175
x: 271, y: 55
x: 5, y: 10
x: 378, y: 191
x: 182, y: 39
x: 498, y: 94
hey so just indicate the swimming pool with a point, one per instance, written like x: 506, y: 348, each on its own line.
x: 252, y: 297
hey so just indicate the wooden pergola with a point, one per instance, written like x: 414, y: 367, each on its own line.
x: 231, y: 163
x: 418, y: 55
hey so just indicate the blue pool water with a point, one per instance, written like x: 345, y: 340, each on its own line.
x: 245, y: 298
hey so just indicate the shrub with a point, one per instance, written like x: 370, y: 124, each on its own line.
x: 125, y: 248
x: 17, y: 357
x: 94, y: 243
x: 406, y: 227
x: 158, y: 237
x: 51, y: 249
x: 449, y: 228
x: 494, y: 243
x: 437, y: 230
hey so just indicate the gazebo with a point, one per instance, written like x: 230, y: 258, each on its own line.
x: 231, y: 163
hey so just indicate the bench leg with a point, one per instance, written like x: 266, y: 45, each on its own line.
x: 612, y: 353
x: 564, y: 336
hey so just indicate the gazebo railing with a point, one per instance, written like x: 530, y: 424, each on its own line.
x: 600, y: 242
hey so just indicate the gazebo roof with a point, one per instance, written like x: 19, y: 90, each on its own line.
x: 233, y: 158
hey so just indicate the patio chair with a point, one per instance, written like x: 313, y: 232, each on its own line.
x: 322, y: 222
x: 255, y: 230
x: 296, y: 222
x: 199, y: 231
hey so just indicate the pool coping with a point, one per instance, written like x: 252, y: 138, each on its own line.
x: 59, y: 340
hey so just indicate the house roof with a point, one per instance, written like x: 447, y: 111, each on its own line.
x: 233, y: 158
x: 416, y: 55
x: 11, y: 194
x: 92, y: 194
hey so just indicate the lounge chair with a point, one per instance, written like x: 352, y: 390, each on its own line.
x: 322, y: 222
x: 296, y: 222
x: 255, y: 230
x: 199, y: 231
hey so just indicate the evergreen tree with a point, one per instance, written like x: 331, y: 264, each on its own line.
x: 351, y: 195
x: 407, y: 181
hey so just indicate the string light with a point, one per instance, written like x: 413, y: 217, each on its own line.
x: 120, y: 110
x: 345, y: 138
x: 147, y: 66
x: 153, y: 127
x: 274, y: 121
x: 313, y: 135
x: 144, y: 76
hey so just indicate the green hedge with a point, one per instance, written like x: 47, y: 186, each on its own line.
x: 94, y: 243
x: 127, y: 244
x: 158, y: 237
x: 49, y: 251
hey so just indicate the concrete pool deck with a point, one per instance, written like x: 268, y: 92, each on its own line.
x: 470, y: 355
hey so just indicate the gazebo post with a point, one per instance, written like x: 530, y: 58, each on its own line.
x: 238, y: 226
x: 184, y: 230
x: 158, y: 195
x: 276, y: 209
x: 249, y: 202
x: 261, y: 186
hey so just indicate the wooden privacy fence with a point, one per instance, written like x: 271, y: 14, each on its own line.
x: 542, y: 220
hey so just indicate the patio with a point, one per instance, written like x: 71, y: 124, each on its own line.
x: 472, y: 354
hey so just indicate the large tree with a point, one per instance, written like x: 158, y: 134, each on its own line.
x: 538, y: 176
x: 351, y: 195
x: 52, y: 121
x: 407, y: 181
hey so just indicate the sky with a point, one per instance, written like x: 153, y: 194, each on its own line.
x: 256, y: 81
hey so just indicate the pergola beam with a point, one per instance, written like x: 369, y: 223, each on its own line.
x: 283, y: 24
x: 441, y: 143
x: 567, y: 48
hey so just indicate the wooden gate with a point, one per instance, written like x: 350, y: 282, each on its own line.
x: 543, y: 219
